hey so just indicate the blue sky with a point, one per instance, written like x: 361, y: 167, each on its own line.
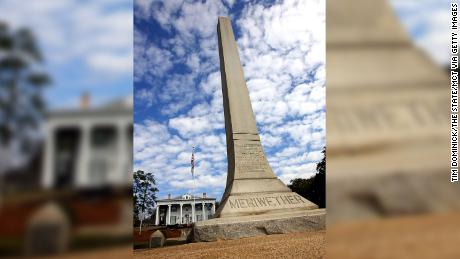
x: 87, y: 46
x: 427, y: 22
x: 177, y: 88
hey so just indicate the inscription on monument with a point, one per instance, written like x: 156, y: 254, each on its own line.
x: 265, y: 201
x: 404, y: 115
x: 250, y: 158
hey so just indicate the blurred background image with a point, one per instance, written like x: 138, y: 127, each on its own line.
x: 388, y: 186
x: 65, y: 126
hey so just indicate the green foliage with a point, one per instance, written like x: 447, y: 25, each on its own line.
x: 21, y: 85
x: 314, y: 188
x: 144, y: 193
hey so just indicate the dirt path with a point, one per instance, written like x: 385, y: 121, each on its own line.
x: 295, y: 245
x: 424, y: 236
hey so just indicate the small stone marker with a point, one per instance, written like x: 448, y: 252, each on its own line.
x: 47, y: 231
x: 157, y: 239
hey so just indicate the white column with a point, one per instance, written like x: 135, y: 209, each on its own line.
x: 168, y: 219
x: 180, y: 219
x: 48, y: 165
x: 157, y: 216
x: 122, y: 156
x: 204, y: 212
x: 193, y: 212
x: 213, y: 207
x: 84, y: 157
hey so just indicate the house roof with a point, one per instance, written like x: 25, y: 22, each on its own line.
x: 180, y: 198
x: 116, y: 107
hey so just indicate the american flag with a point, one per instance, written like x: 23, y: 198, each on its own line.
x: 193, y: 161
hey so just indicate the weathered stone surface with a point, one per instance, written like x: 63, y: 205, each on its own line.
x: 387, y: 118
x: 48, y: 231
x: 252, y: 186
x: 247, y: 226
x: 186, y: 234
x: 391, y: 195
x: 362, y: 21
x: 263, y: 203
x: 157, y: 239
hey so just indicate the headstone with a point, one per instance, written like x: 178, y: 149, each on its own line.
x: 254, y: 197
x: 157, y: 239
x: 48, y: 231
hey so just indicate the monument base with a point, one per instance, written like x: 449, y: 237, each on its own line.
x: 237, y: 205
x: 255, y: 225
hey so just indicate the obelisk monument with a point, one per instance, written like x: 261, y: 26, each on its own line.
x: 255, y: 201
x: 252, y: 187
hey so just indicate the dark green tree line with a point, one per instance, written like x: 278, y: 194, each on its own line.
x: 144, y: 194
x: 21, y: 85
x: 314, y: 188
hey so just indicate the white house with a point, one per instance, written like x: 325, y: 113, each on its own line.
x: 89, y: 146
x: 184, y: 209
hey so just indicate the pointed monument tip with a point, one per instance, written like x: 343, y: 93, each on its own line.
x: 223, y: 18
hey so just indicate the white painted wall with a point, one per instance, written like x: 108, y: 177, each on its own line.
x: 118, y: 157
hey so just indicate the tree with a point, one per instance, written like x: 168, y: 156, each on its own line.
x: 320, y: 181
x: 144, y: 195
x: 21, y: 84
x: 314, y: 188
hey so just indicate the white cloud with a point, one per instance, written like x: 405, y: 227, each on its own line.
x: 299, y: 171
x: 168, y: 156
x: 109, y: 62
x: 150, y: 59
x: 282, y: 49
x: 229, y: 2
x: 145, y: 96
x: 101, y: 39
x: 428, y: 22
x: 270, y: 140
x: 315, y: 156
x: 189, y: 126
x: 193, y: 61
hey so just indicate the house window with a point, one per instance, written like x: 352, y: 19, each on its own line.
x: 103, y: 140
x: 103, y: 137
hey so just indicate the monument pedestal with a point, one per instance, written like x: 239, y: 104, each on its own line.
x: 255, y: 225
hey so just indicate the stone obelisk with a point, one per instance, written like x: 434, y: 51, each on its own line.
x: 252, y: 187
x: 255, y: 201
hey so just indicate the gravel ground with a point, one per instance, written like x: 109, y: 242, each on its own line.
x: 424, y: 236
x: 295, y: 245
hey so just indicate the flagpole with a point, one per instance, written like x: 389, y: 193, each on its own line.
x: 194, y: 197
x: 193, y: 177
